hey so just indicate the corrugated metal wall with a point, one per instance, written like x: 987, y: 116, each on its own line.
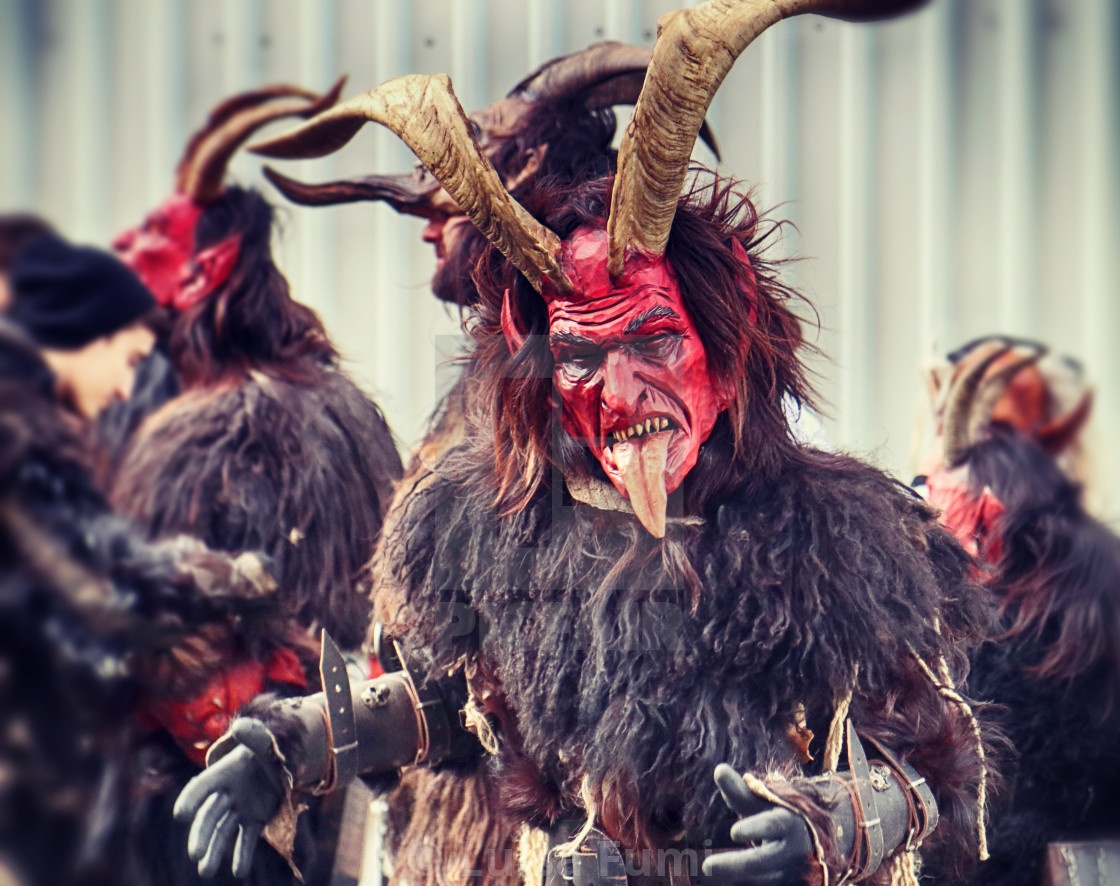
x: 950, y: 174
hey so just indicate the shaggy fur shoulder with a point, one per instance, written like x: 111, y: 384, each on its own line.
x: 619, y: 669
x: 1064, y: 781
x: 301, y: 472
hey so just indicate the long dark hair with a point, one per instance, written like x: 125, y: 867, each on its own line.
x: 1058, y: 573
x: 574, y: 143
x: 251, y: 322
x: 743, y: 316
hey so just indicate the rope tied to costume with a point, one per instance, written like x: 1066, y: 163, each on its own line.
x: 567, y: 850
x: 835, y: 741
x: 946, y: 691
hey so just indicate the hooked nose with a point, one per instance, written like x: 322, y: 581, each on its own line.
x: 433, y: 230
x: 623, y: 388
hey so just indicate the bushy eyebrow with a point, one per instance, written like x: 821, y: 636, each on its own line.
x: 570, y: 339
x: 659, y: 312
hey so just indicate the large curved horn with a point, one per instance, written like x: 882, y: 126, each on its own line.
x: 995, y: 385
x: 407, y: 194
x: 958, y: 404
x: 695, y: 49
x: 202, y: 169
x: 584, y: 73
x: 604, y: 74
x: 424, y: 112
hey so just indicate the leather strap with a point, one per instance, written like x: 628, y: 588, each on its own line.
x: 434, y: 724
x: 343, y: 738
x: 923, y: 806
x: 869, y: 827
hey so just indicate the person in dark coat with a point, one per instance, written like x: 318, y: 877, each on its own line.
x: 89, y: 610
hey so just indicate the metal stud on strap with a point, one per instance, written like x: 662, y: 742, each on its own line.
x: 919, y: 796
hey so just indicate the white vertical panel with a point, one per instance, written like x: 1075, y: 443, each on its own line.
x: 318, y: 28
x: 17, y: 120
x: 545, y: 35
x: 935, y: 211
x: 623, y: 21
x: 1098, y: 147
x: 165, y: 58
x: 1017, y: 215
x: 1098, y: 164
x: 241, y: 59
x: 777, y: 49
x: 468, y: 47
x: 393, y: 337
x: 855, y: 277
x: 88, y: 25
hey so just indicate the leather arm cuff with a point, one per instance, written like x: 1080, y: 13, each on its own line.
x: 891, y: 807
x: 873, y: 809
x: 396, y: 723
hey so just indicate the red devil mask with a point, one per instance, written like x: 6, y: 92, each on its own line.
x: 631, y: 372
x: 161, y: 252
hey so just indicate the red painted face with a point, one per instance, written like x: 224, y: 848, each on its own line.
x: 159, y: 250
x: 631, y: 372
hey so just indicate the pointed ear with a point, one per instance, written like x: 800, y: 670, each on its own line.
x: 515, y: 338
x: 535, y: 156
x: 1061, y: 432
x: 210, y: 268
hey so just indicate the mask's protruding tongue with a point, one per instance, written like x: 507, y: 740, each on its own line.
x: 642, y: 462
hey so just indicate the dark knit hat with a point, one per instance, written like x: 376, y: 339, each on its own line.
x: 66, y: 296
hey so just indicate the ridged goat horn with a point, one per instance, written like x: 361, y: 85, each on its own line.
x: 695, y: 49
x: 424, y: 112
x: 405, y: 193
x: 603, y: 75
x: 995, y: 385
x: 202, y: 169
x: 600, y: 76
x: 962, y: 393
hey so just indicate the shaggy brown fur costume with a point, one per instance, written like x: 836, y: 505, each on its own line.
x: 1053, y: 665
x: 90, y: 615
x: 292, y: 469
x: 270, y: 447
x: 616, y: 670
x: 570, y: 137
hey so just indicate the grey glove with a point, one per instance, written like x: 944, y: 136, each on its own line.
x: 783, y: 844
x: 230, y: 802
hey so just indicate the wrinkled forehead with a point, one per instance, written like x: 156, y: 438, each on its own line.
x: 645, y: 284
